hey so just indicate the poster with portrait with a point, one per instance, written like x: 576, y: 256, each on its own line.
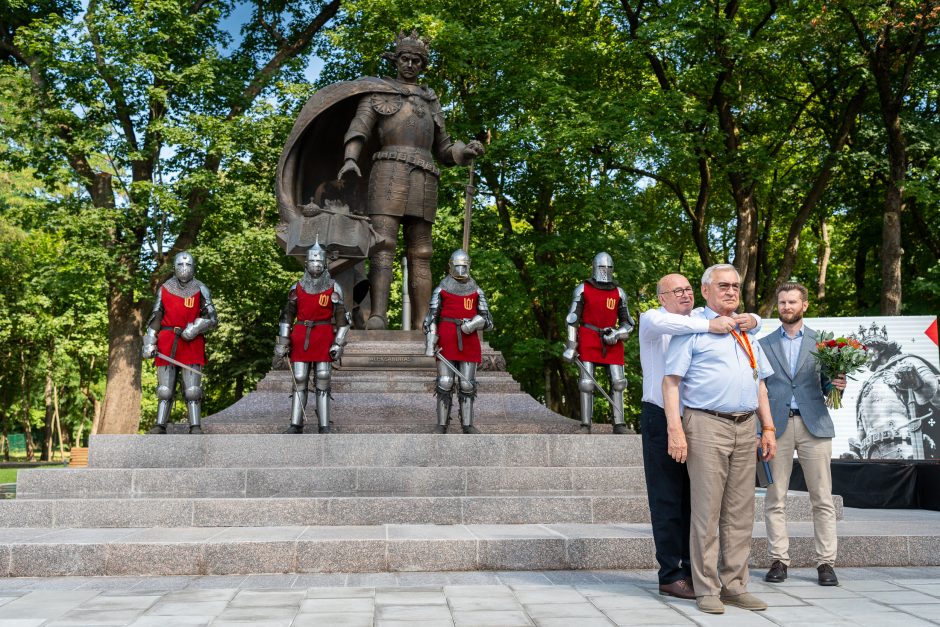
x: 891, y: 408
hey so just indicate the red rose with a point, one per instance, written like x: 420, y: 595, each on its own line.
x: 832, y: 344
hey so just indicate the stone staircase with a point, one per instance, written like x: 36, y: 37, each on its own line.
x: 258, y: 503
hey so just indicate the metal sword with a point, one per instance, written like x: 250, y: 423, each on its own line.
x: 179, y: 364
x: 597, y: 385
x: 452, y: 367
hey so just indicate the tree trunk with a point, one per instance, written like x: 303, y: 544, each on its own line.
x: 121, y: 410
x: 25, y: 390
x: 825, y: 250
x: 891, y: 251
x: 48, y: 426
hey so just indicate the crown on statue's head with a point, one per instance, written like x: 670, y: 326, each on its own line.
x: 872, y: 334
x: 412, y: 43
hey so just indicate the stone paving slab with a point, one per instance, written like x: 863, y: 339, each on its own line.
x: 605, y: 597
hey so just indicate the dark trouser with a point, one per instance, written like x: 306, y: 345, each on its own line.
x: 667, y: 487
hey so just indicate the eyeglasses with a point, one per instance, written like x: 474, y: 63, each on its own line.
x: 679, y: 291
x: 724, y: 287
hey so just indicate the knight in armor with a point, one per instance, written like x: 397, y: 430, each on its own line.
x: 409, y: 125
x: 597, y: 324
x: 313, y: 328
x: 898, y: 409
x: 182, y: 314
x: 457, y: 311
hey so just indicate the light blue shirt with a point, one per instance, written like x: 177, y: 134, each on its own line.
x: 791, y: 348
x: 716, y: 371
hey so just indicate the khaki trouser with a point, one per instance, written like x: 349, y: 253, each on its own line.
x: 722, y: 457
x: 815, y: 459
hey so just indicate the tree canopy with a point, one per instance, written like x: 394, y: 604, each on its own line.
x: 795, y: 140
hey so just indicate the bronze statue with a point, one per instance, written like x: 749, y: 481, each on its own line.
x: 381, y: 136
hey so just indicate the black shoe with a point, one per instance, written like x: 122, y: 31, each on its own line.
x: 195, y: 430
x: 158, y: 430
x: 777, y: 572
x: 325, y: 429
x: 440, y: 429
x: 294, y: 429
x: 585, y: 429
x: 470, y: 429
x: 620, y: 429
x: 827, y: 576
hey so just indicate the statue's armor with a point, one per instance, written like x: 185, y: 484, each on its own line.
x: 316, y: 323
x: 410, y: 127
x: 889, y: 418
x: 598, y: 311
x: 180, y: 309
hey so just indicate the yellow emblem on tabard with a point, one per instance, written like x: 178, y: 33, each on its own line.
x: 611, y: 303
x: 189, y: 302
x: 468, y: 303
x: 324, y: 299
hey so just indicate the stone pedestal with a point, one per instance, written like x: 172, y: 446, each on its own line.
x: 385, y: 384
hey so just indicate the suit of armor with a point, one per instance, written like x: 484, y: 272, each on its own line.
x: 312, y: 330
x: 597, y: 324
x: 182, y: 314
x: 409, y: 123
x: 456, y: 312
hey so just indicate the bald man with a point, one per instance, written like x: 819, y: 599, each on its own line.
x: 667, y: 481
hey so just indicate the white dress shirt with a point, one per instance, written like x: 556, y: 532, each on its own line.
x: 657, y: 326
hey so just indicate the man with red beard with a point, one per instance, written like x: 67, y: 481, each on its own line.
x: 457, y: 311
x: 316, y: 303
x: 803, y: 425
x: 598, y: 323
x: 182, y: 314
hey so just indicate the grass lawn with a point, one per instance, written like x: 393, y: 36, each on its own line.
x: 8, y: 475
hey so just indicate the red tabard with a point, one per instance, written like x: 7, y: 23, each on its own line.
x: 600, y: 310
x: 459, y: 307
x: 178, y: 312
x: 317, y: 307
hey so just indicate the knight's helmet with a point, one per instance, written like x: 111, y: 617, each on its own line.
x: 184, y: 267
x: 316, y: 259
x: 459, y: 265
x: 602, y: 269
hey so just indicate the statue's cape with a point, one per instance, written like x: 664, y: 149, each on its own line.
x: 313, y: 153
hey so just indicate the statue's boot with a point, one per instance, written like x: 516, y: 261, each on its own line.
x: 380, y: 280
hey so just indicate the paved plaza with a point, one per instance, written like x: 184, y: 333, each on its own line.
x: 872, y: 597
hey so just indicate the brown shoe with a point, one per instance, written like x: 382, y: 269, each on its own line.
x: 745, y: 601
x: 710, y: 604
x: 680, y: 589
x: 777, y: 572
x: 827, y: 576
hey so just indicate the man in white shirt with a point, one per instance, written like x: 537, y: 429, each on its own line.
x: 667, y: 481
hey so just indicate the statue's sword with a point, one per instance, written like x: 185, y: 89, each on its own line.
x: 468, y: 209
x: 180, y: 364
x: 597, y: 385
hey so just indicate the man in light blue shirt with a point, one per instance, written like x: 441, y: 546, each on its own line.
x: 722, y: 390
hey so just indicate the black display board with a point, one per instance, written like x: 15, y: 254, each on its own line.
x: 882, y: 484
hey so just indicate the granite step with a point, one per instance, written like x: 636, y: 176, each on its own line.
x: 401, y: 381
x: 346, y: 509
x: 305, y: 451
x: 300, y: 482
x: 398, y: 548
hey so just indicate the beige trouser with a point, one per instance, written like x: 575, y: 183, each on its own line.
x: 721, y: 460
x: 815, y: 459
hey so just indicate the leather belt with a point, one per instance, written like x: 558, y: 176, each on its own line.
x: 392, y: 155
x: 794, y: 412
x: 176, y: 338
x: 457, y: 322
x: 600, y: 332
x: 310, y: 324
x: 737, y: 416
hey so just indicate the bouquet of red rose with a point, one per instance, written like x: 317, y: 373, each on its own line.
x: 838, y: 355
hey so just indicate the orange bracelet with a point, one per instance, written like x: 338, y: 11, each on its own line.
x: 768, y: 428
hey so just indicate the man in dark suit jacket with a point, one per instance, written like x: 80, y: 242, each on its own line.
x: 803, y: 425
